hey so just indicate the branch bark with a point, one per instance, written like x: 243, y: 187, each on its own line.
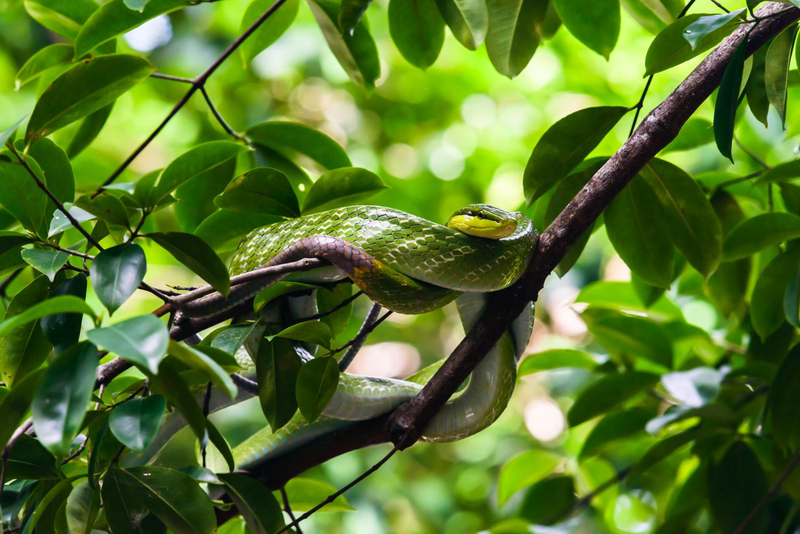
x: 656, y: 131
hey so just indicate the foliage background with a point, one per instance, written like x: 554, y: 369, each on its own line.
x: 455, y: 134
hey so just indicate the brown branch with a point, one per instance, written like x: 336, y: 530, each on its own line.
x: 769, y: 495
x: 655, y: 132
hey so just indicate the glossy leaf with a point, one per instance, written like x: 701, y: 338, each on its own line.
x: 759, y: 232
x: 277, y: 366
x: 613, y: 427
x: 695, y: 228
x: 350, y: 13
x: 46, y: 58
x: 135, y: 422
x: 172, y: 496
x: 195, y: 254
x: 328, y: 300
x: 196, y: 197
x: 219, y: 442
x: 90, y: 128
x: 83, y: 507
x: 513, y: 33
x: 356, y: 52
x: 260, y: 190
x: 756, y: 89
x: 291, y: 137
x: 671, y: 48
x: 30, y: 460
x: 168, y: 382
x: 632, y: 336
x: 15, y: 406
x: 116, y: 273
x: 270, y: 31
x: 255, y: 502
x: 545, y: 499
x: 223, y: 226
x: 105, y: 207
x: 90, y: 85
x: 196, y: 359
x: 728, y: 101
x: 64, y: 17
x: 341, y: 187
x: 565, y: 145
x: 523, y: 471
x: 63, y: 397
x: 606, y: 393
x: 308, y: 331
x: 736, y: 484
x: 118, y: 502
x: 63, y: 330
x: 317, y: 381
x: 468, y: 20
x: 57, y: 172
x: 46, y: 261
x: 638, y: 229
x: 51, y: 306
x: 115, y: 18
x: 194, y: 163
x: 595, y: 24
x: 417, y: 30
x: 233, y: 337
x: 21, y: 197
x: 555, y: 359
x: 11, y: 131
x: 23, y: 349
x: 776, y: 69
x: 142, y: 340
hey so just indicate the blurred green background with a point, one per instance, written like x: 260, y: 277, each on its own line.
x: 455, y: 134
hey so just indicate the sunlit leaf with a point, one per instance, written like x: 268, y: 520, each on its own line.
x: 270, y: 30
x: 756, y: 89
x: 46, y: 58
x: 523, y: 471
x: 90, y: 128
x: 781, y: 173
x: 142, y: 340
x: 760, y: 232
x: 417, y: 30
x: 195, y: 254
x: 613, y: 427
x: 46, y: 261
x: 342, y: 187
x: 291, y: 137
x: 608, y: 392
x: 776, y: 69
x: 467, y: 19
x: 595, y: 24
x: 51, y: 306
x: 64, y: 17
x: 632, y: 336
x: 309, y: 331
x: 694, y: 134
x: 260, y: 190
x: 116, y: 273
x: 513, y: 33
x: 21, y: 197
x: 196, y: 359
x: 555, y: 359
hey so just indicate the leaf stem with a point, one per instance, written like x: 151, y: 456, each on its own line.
x: 288, y: 509
x: 220, y: 120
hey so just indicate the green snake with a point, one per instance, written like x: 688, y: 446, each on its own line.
x: 403, y: 263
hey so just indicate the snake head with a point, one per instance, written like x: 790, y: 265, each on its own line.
x: 482, y: 220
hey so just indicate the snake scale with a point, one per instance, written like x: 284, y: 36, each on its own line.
x: 406, y: 264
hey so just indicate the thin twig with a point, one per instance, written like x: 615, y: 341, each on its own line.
x: 723, y: 8
x: 334, y: 496
x: 220, y: 120
x: 67, y: 250
x: 196, y: 84
x: 361, y: 336
x: 769, y: 495
x: 171, y: 78
x: 586, y: 500
x: 10, y: 278
x: 288, y: 509
x: 336, y: 308
x: 52, y: 197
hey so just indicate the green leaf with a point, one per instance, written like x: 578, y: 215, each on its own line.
x: 791, y: 302
x: 670, y: 47
x: 233, y: 337
x: 46, y: 261
x: 555, y: 359
x: 269, y: 32
x: 622, y: 296
x: 547, y: 498
x: 267, y: 157
x: 565, y: 145
x: 142, y: 340
x: 11, y: 131
x: 90, y: 128
x: 309, y: 331
x: 523, y: 471
x: 513, y: 33
x: 736, y: 485
x: 694, y: 134
x: 638, y: 229
x: 356, y: 51
x: 595, y: 24
x: 195, y: 254
x: 115, y: 18
x: 46, y: 58
x: 613, y: 427
x: 218, y: 440
x: 328, y: 300
x: 51, y: 306
x: 341, y: 187
x: 606, y: 393
x: 305, y: 493
x: 196, y: 197
x: 760, y: 232
x: 30, y: 460
x: 90, y: 85
x: 316, y: 383
x: 63, y: 396
x: 15, y: 406
x: 467, y: 19
x: 116, y: 273
x: 756, y: 89
x: 21, y: 197
x: 23, y: 349
x: 260, y: 190
x: 277, y: 290
x: 135, y: 422
x: 105, y: 207
x: 196, y: 359
x: 350, y: 13
x: 137, y: 5
x: 728, y: 101
x: 696, y: 387
x: 57, y: 172
x: 225, y: 225
x: 696, y: 232
x: 632, y: 336
x: 118, y: 502
x: 11, y: 240
x: 781, y: 173
x: 776, y: 69
x: 277, y: 366
x: 83, y: 507
x: 194, y: 163
x: 291, y: 137
x: 782, y: 400
x: 64, y: 17
x: 255, y: 502
x: 169, y: 383
x: 55, y: 496
x: 172, y: 496
x: 417, y: 30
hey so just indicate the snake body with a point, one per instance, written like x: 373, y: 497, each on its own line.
x: 406, y: 264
